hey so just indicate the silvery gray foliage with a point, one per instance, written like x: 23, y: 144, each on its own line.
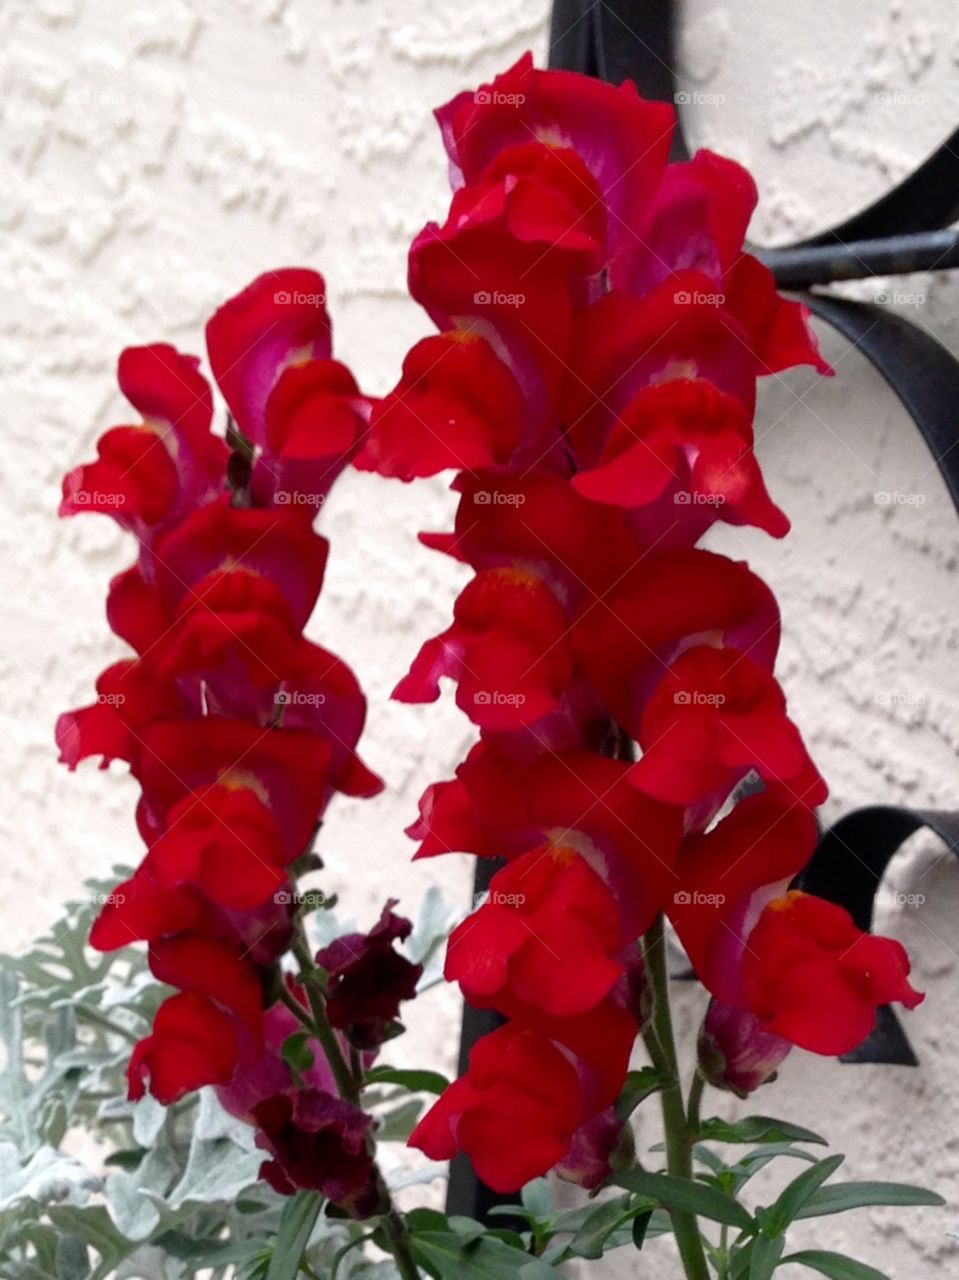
x: 93, y: 1186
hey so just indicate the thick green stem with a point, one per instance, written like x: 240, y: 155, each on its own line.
x: 395, y: 1233
x: 679, y: 1159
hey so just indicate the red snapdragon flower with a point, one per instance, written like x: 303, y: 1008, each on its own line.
x: 237, y: 728
x: 595, y: 382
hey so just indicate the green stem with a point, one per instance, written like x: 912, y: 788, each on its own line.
x: 679, y: 1159
x: 398, y: 1240
x: 349, y: 1082
x: 346, y: 1083
x: 693, y: 1105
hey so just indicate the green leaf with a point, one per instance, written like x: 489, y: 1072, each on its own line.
x: 446, y: 1255
x: 296, y: 1051
x: 834, y: 1265
x: 296, y: 1227
x: 766, y: 1252
x: 857, y: 1195
x: 777, y: 1217
x: 398, y: 1124
x: 536, y: 1198
x: 640, y: 1227
x: 592, y: 1238
x: 755, y: 1129
x: 416, y: 1081
x: 639, y: 1086
x: 679, y: 1193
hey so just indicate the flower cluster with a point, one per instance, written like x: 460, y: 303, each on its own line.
x: 237, y: 728
x: 593, y: 381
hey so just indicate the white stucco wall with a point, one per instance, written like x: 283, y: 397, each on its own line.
x: 157, y: 157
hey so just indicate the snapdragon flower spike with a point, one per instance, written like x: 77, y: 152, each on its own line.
x: 595, y: 383
x: 237, y: 728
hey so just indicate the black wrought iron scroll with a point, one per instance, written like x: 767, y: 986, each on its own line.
x: 906, y: 230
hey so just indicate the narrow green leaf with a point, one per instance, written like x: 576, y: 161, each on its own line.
x: 537, y: 1198
x: 447, y: 1255
x: 765, y: 1255
x: 639, y: 1085
x: 296, y: 1051
x: 640, y: 1227
x: 678, y: 1193
x: 755, y: 1129
x: 417, y: 1081
x: 857, y: 1195
x: 785, y: 1209
x: 591, y: 1240
x: 296, y: 1227
x: 834, y: 1265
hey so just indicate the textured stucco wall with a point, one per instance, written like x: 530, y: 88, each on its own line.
x: 156, y: 157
